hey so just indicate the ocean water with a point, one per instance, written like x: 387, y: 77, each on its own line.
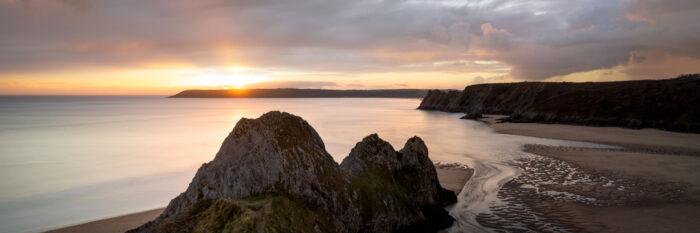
x: 72, y: 159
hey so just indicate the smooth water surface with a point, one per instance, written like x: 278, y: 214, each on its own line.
x: 67, y: 160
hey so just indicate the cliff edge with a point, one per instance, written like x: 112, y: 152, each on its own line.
x: 671, y: 104
x: 273, y: 174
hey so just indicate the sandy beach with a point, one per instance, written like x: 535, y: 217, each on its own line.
x: 116, y: 224
x: 638, y: 140
x: 651, y: 184
x: 452, y: 177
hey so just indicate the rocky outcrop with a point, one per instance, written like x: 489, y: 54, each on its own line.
x: 472, y: 116
x: 672, y: 104
x: 274, y: 174
x: 413, y: 186
x: 441, y: 100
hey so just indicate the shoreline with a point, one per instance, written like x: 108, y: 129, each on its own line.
x: 114, y: 224
x: 648, y: 158
x: 451, y: 176
x: 636, y: 140
x: 650, y: 184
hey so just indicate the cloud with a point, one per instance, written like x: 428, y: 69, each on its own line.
x: 551, y: 38
x: 496, y: 39
x: 536, y: 39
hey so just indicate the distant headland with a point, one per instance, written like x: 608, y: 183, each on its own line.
x: 301, y: 93
x: 670, y: 104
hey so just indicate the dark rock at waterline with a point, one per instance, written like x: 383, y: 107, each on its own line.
x: 414, y: 180
x: 273, y: 174
x: 473, y: 116
x: 441, y: 100
x: 670, y: 104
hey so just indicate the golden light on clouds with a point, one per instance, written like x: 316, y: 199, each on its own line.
x: 117, y: 47
x: 158, y: 78
x: 213, y: 78
x: 227, y: 81
x: 638, y: 18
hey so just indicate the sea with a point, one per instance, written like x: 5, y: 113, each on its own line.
x: 66, y: 160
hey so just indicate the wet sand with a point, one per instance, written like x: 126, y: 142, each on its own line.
x: 638, y: 140
x: 451, y: 176
x: 116, y: 224
x: 651, y: 184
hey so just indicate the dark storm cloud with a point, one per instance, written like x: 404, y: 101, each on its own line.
x: 538, y: 39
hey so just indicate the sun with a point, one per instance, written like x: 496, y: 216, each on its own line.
x: 228, y: 81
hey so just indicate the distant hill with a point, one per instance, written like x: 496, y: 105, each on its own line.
x: 302, y: 93
x: 689, y: 77
x: 670, y: 104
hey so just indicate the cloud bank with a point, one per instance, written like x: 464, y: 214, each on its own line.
x: 530, y: 40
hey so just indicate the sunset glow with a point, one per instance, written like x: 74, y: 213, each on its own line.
x: 108, y: 47
x: 228, y: 78
x: 349, y: 116
x: 226, y: 81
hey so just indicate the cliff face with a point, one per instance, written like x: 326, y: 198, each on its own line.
x: 672, y: 104
x: 274, y: 174
x: 397, y: 188
x: 441, y: 100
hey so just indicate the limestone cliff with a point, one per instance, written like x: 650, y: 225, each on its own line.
x: 671, y: 104
x: 273, y: 174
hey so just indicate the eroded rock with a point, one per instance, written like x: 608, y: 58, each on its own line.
x: 670, y: 104
x: 274, y: 174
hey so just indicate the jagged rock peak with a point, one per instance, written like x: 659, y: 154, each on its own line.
x: 371, y: 150
x: 274, y: 174
x: 289, y: 131
x: 275, y: 153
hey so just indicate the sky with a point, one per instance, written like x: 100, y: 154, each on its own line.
x: 164, y: 46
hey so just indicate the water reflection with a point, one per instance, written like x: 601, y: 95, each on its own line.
x: 66, y: 160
